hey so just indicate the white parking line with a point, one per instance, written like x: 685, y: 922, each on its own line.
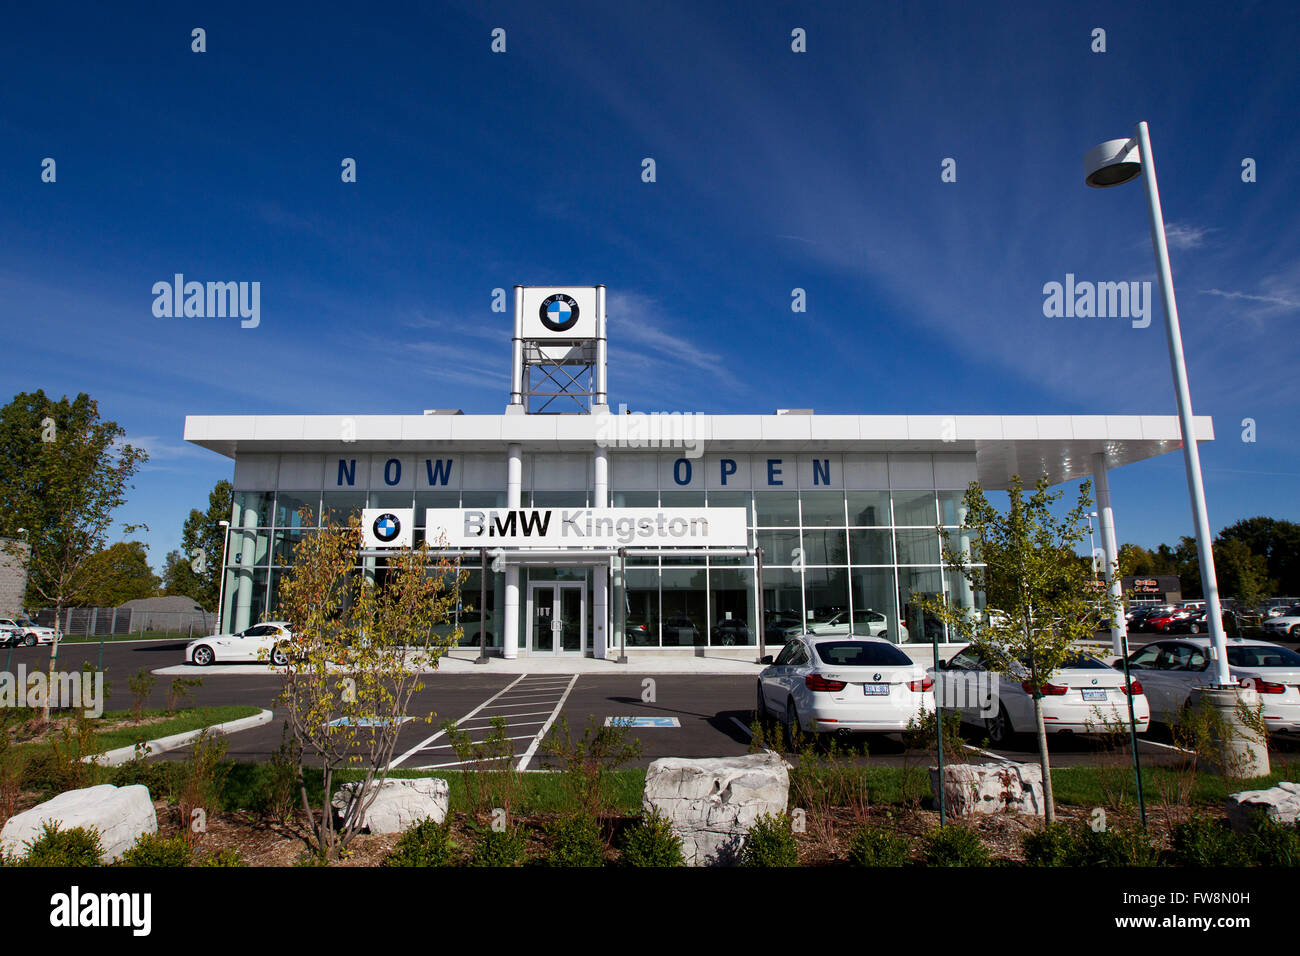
x: 541, y: 734
x: 1156, y: 743
x: 424, y: 743
x: 988, y: 753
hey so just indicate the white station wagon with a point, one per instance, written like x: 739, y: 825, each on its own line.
x: 262, y: 642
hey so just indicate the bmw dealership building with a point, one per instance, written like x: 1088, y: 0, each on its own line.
x: 607, y: 533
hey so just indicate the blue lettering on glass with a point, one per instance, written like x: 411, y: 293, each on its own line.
x: 348, y: 471
x: 822, y: 475
x: 774, y: 471
x: 392, y: 471
x: 728, y: 468
x: 439, y: 471
x: 677, y: 471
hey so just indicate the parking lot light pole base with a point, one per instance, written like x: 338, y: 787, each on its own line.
x: 1245, y: 752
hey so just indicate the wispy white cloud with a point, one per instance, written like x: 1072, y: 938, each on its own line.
x: 1183, y: 236
x: 1277, y: 300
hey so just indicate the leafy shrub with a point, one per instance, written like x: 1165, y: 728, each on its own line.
x: 652, y: 843
x: 154, y: 850
x: 503, y: 848
x: 141, y: 686
x: 55, y: 847
x: 425, y: 844
x: 873, y: 846
x: 1115, y: 846
x: 1202, y: 842
x: 1274, y: 844
x: 160, y: 777
x: 770, y: 842
x: 227, y: 857
x: 589, y: 763
x: 575, y: 841
x: 953, y: 846
x: 1054, y: 845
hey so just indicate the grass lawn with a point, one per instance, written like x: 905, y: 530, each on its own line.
x: 192, y: 718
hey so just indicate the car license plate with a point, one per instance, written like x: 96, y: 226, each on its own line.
x: 876, y: 690
x: 1094, y: 695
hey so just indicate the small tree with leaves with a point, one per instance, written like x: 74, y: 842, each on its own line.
x: 355, y: 662
x: 64, y: 471
x: 1026, y: 564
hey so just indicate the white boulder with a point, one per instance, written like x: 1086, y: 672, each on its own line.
x: 712, y: 803
x: 400, y: 803
x: 1281, y: 804
x: 990, y: 788
x: 121, y: 815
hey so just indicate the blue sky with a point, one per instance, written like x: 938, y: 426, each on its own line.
x: 775, y: 170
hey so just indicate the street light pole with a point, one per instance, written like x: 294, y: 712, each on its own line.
x: 1191, y: 454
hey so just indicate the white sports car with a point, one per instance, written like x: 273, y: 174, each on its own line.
x: 864, y: 622
x: 838, y: 684
x: 267, y: 641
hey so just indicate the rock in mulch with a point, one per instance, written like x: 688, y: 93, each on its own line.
x: 711, y: 803
x: 990, y: 788
x: 400, y: 803
x: 121, y: 815
x: 1281, y: 804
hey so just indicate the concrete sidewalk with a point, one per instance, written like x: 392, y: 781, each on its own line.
x: 460, y: 661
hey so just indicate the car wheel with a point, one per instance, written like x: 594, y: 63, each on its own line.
x: 1295, y: 631
x: 203, y: 655
x: 790, y: 725
x: 278, y: 656
x: 1193, y: 629
x: 30, y: 640
x: 999, y: 728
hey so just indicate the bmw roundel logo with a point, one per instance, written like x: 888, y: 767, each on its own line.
x: 875, y: 677
x: 387, y: 527
x: 1094, y: 680
x: 558, y: 312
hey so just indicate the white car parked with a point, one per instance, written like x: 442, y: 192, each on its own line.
x: 1172, y: 669
x: 29, y: 632
x: 267, y: 641
x: 1284, y: 626
x: 842, y: 684
x: 1081, y: 698
x: 864, y: 622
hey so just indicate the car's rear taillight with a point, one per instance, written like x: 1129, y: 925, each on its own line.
x: 1135, y: 687
x: 920, y: 686
x: 817, y: 682
x: 1268, y: 687
x: 1049, y: 690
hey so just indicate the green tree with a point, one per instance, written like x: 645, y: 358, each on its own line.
x: 1277, y: 542
x: 1026, y: 558
x: 195, y: 570
x: 64, y: 471
x: 121, y: 573
x: 355, y: 661
x: 1241, y: 573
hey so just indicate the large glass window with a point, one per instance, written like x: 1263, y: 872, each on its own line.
x: 467, y: 615
x: 915, y: 508
x: 290, y: 504
x: 434, y: 499
x: 823, y: 509
x: 873, y: 603
x: 824, y: 546
x: 918, y: 547
x: 782, y: 603
x: 826, y: 592
x: 871, y: 546
x: 869, y: 508
x: 684, y: 606
x: 478, y: 499
x: 252, y: 509
x: 559, y: 499
x: 731, y: 604
x: 635, y: 499
x: 952, y: 507
x: 641, y: 596
x: 681, y: 499
x: 338, y: 506
x: 922, y: 626
x: 778, y: 547
x: 734, y: 499
x: 387, y: 498
x: 776, y: 509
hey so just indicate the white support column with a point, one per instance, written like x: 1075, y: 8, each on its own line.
x: 602, y: 397
x: 517, y: 352
x: 247, y: 560
x: 514, y: 490
x: 1110, y: 551
x: 600, y: 575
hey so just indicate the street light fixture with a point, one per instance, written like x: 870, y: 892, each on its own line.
x: 221, y: 586
x: 1114, y: 163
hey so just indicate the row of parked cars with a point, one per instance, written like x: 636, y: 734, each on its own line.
x: 862, y: 683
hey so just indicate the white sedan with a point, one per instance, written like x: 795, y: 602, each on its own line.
x: 267, y: 641
x: 864, y: 621
x: 1172, y: 669
x: 1084, y: 697
x: 28, y: 631
x: 1284, y: 626
x: 833, y: 684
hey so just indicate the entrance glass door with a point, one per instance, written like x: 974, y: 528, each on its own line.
x: 557, y: 615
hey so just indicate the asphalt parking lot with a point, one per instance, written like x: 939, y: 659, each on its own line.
x: 690, y: 716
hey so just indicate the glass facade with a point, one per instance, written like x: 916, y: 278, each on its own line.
x: 863, y: 554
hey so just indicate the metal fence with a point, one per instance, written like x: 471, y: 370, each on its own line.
x: 108, y: 621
